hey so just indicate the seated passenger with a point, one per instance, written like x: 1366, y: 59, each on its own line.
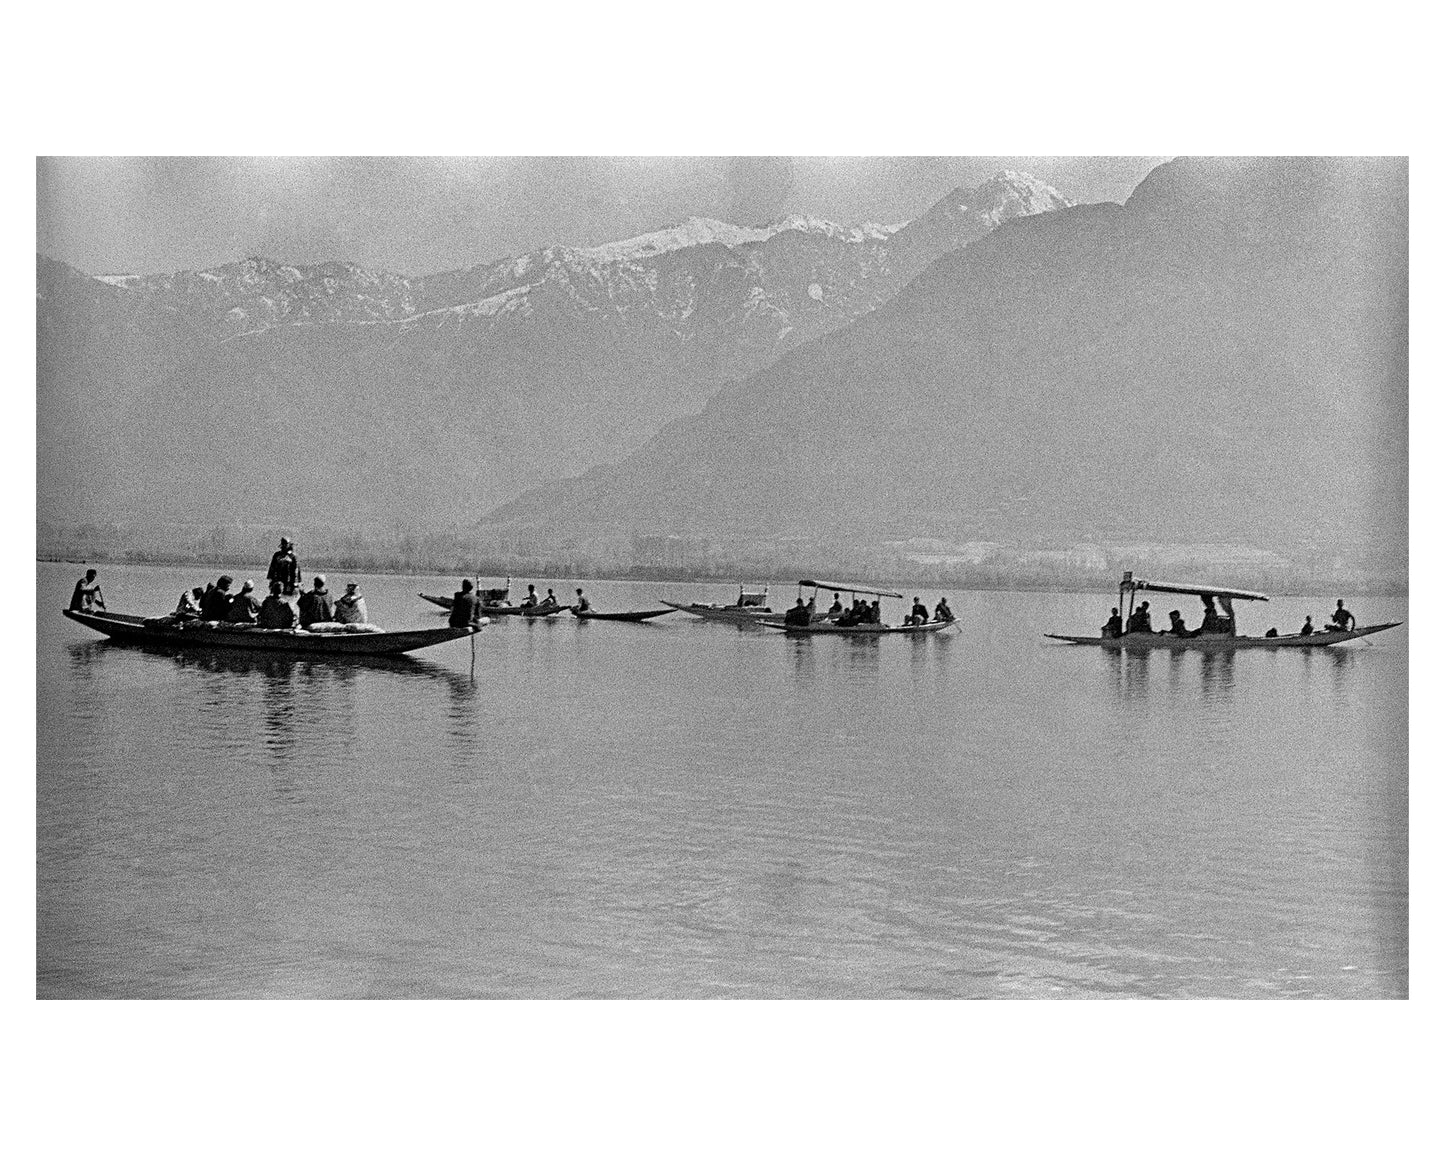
x: 582, y: 603
x: 1341, y: 619
x: 1308, y: 627
x: 276, y: 612
x: 941, y: 612
x: 837, y: 607
x: 797, y: 615
x: 351, y: 606
x: 1176, y: 625
x: 1115, y: 626
x: 1139, y: 621
x: 245, y: 606
x: 530, y: 600
x: 875, y: 613
x: 217, y: 601
x: 87, y: 596
x: 919, y: 614
x: 315, y: 604
x: 465, y: 607
x: 190, y: 604
x: 548, y: 602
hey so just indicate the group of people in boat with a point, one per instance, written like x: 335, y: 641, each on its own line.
x: 1213, y: 622
x: 222, y: 601
x: 863, y: 613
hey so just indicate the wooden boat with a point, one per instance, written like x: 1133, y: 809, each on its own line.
x: 540, y: 610
x: 828, y: 624
x: 1227, y: 640
x: 618, y: 615
x: 750, y: 609
x: 491, y: 609
x: 1139, y: 641
x: 132, y: 628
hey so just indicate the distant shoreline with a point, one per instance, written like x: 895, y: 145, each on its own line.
x: 657, y: 574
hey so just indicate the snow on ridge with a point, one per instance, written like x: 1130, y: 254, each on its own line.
x: 710, y: 231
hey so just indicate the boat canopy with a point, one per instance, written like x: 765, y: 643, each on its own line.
x: 1132, y: 583
x: 841, y: 588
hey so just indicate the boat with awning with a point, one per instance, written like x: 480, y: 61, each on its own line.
x: 1223, y: 633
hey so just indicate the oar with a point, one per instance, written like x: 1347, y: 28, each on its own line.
x: 478, y: 588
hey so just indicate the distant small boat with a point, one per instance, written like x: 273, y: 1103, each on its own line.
x: 492, y: 609
x: 618, y: 615
x: 132, y: 628
x: 1214, y: 641
x: 751, y: 608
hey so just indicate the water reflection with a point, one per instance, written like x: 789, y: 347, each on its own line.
x: 1130, y: 671
x: 1216, y: 673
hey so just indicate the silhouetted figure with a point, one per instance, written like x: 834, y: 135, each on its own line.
x: 582, y: 603
x: 1308, y: 627
x: 1341, y: 619
x: 797, y: 615
x: 1115, y: 626
x: 87, y: 596
x: 941, y: 612
x: 530, y: 600
x: 1139, y: 621
x: 465, y: 607
x: 1176, y: 625
x: 216, y: 604
x: 285, y: 569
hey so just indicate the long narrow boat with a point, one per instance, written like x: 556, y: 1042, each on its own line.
x: 1224, y: 638
x: 832, y: 624
x: 1139, y: 641
x: 824, y: 626
x: 132, y: 628
x: 618, y: 615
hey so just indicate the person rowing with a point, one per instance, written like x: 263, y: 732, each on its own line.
x: 87, y: 596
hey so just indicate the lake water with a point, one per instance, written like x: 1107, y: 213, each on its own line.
x: 686, y: 809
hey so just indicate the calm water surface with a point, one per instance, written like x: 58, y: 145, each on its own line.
x: 685, y: 809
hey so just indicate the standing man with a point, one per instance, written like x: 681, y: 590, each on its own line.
x: 87, y: 594
x: 285, y: 569
x: 315, y: 604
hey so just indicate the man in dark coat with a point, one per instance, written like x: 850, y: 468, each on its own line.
x: 285, y: 569
x: 216, y: 602
x: 276, y: 612
x: 465, y: 607
x: 245, y: 606
x: 315, y: 604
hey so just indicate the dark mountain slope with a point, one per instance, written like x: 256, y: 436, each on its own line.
x: 1221, y: 360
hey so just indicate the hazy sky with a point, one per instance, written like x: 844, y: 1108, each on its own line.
x: 422, y: 215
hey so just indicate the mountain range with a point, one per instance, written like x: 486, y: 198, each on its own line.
x: 1222, y: 359
x: 266, y: 393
